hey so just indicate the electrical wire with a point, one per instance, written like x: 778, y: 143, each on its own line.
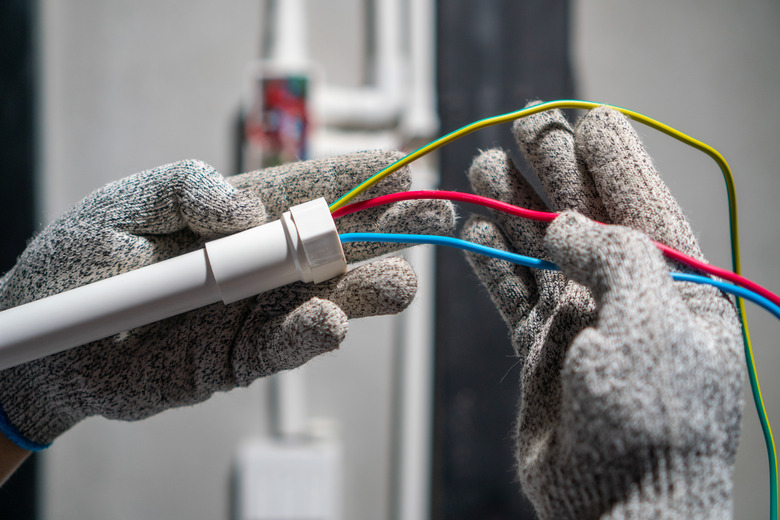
x: 733, y: 230
x: 436, y: 240
x: 547, y: 216
x: 540, y: 216
x: 537, y: 263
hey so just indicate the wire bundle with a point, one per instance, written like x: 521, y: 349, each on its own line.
x: 740, y: 287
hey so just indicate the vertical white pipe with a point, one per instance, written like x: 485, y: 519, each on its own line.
x: 416, y: 380
x: 290, y: 44
x: 416, y: 394
x: 415, y: 384
x: 389, y: 60
x: 420, y: 115
x: 289, y: 51
x: 288, y: 404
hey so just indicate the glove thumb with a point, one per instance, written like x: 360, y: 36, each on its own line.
x: 187, y: 194
x: 620, y: 266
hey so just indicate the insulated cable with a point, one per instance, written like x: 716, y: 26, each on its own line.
x: 536, y: 263
x: 548, y: 216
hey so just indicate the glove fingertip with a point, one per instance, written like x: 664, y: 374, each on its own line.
x: 380, y: 288
x: 527, y: 129
x: 566, y: 243
x: 478, y: 229
x: 605, y: 135
x: 481, y: 231
x: 315, y: 327
x: 419, y: 217
x: 604, y: 257
x: 239, y: 211
x: 490, y: 172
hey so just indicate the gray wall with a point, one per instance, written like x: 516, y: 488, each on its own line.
x: 711, y: 69
x: 131, y: 85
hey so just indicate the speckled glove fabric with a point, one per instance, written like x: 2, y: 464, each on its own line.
x: 170, y: 210
x: 631, y: 383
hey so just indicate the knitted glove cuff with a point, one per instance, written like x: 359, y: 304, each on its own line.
x: 32, y: 417
x: 669, y: 486
x: 13, y: 434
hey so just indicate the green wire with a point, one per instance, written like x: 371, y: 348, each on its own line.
x: 676, y: 134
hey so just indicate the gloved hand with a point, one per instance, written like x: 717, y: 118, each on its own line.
x: 631, y: 383
x: 170, y: 210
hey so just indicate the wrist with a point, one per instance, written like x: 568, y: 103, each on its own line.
x: 679, y: 487
x: 11, y: 457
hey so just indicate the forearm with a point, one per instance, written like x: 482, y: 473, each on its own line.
x: 11, y: 457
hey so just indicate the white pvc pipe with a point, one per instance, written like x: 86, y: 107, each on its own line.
x: 420, y: 118
x: 302, y: 245
x: 414, y: 381
x: 416, y: 378
x: 290, y: 43
x: 415, y: 393
x: 97, y: 310
x: 289, y: 413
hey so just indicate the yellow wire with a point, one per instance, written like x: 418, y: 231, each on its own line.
x: 588, y: 105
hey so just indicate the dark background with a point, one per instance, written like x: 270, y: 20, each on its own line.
x: 17, y: 168
x: 493, y: 57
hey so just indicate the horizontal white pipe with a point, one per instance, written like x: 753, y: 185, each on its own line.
x: 302, y: 245
x: 362, y: 107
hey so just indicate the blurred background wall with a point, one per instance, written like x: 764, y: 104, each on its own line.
x: 131, y: 85
x: 125, y: 86
x: 712, y: 70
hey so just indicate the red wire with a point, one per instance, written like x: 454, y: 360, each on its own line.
x: 719, y: 272
x: 545, y: 216
x: 542, y: 216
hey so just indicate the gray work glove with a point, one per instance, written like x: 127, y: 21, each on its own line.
x: 170, y: 210
x: 631, y: 383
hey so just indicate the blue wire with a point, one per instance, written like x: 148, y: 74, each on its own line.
x: 436, y: 240
x: 536, y: 263
x: 730, y: 288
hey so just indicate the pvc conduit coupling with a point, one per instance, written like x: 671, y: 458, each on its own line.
x: 303, y: 245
